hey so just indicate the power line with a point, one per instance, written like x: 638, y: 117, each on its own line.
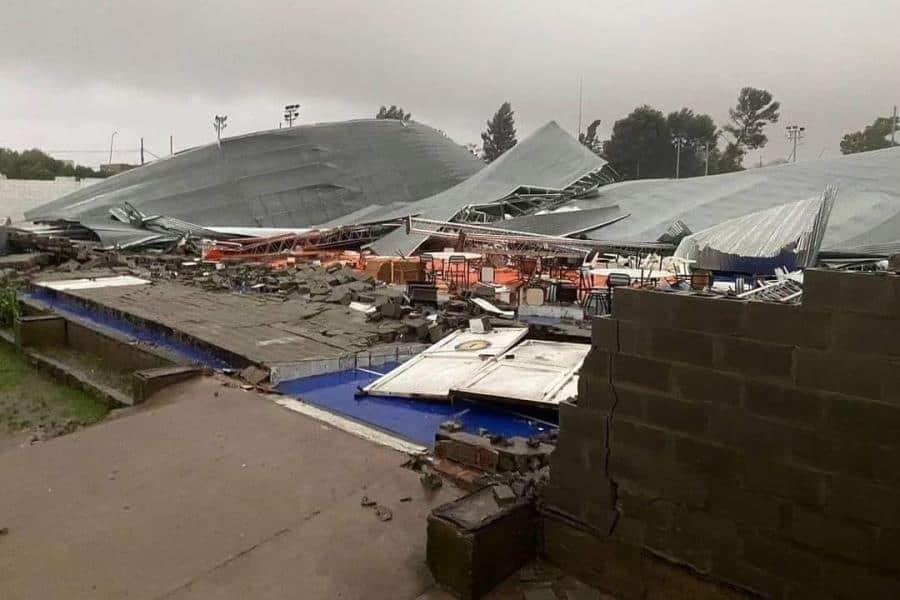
x: 795, y: 133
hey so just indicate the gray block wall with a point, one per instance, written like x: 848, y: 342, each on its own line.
x: 755, y: 445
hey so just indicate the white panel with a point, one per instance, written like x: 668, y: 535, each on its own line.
x: 85, y: 284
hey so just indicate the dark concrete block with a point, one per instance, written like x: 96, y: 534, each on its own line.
x: 798, y: 484
x: 864, y: 420
x: 644, y: 372
x: 843, y: 291
x: 662, y: 477
x: 634, y: 338
x: 789, y: 324
x: 626, y: 433
x: 887, y: 551
x: 630, y: 400
x: 605, y: 334
x: 705, y: 385
x: 783, y: 402
x: 866, y: 334
x: 703, y: 456
x: 755, y: 510
x: 783, y: 560
x: 753, y: 358
x: 852, y: 581
x: 670, y: 413
x: 856, y: 499
x: 829, y: 536
x: 147, y: 382
x: 712, y: 315
x: 475, y: 542
x: 42, y: 331
x: 683, y: 346
x: 849, y: 374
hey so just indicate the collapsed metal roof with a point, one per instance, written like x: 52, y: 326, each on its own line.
x: 786, y: 236
x: 293, y: 177
x: 549, y: 160
x: 865, y: 218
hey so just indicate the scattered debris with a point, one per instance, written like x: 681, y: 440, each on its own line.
x: 430, y: 481
x: 383, y: 513
x: 366, y: 501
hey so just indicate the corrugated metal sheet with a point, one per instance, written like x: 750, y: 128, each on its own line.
x: 549, y: 159
x: 293, y: 177
x: 865, y: 215
x: 759, y: 242
x: 563, y: 222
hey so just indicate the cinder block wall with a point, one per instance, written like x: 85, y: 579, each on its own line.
x: 756, y: 444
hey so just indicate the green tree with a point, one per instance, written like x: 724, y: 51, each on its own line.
x: 394, y: 112
x: 640, y: 146
x: 34, y: 164
x: 590, y: 139
x: 699, y: 132
x: 754, y: 110
x: 874, y: 137
x: 500, y: 134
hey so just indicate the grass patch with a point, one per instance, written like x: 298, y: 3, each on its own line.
x: 30, y: 399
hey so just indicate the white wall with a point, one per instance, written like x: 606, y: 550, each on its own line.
x: 19, y: 195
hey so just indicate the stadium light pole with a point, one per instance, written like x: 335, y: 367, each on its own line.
x: 795, y: 133
x: 219, y: 124
x: 291, y: 112
x: 678, y: 141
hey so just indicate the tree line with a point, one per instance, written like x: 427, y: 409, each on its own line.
x: 34, y: 164
x: 648, y: 143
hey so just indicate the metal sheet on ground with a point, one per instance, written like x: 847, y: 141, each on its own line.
x: 447, y: 363
x: 87, y: 284
x: 534, y: 372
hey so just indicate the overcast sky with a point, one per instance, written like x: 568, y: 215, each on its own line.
x: 74, y: 71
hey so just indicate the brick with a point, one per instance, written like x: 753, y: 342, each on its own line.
x: 705, y: 385
x: 857, y: 499
x: 680, y: 547
x: 849, y: 374
x: 760, y: 511
x: 628, y: 304
x: 721, y: 462
x: 878, y: 464
x: 831, y: 536
x: 625, y: 434
x: 866, y: 334
x: 753, y: 358
x: 605, y: 334
x: 664, y: 478
x: 850, y: 582
x: 678, y: 345
x: 789, y: 324
x: 666, y: 411
x: 634, y: 338
x: 718, y: 532
x: 783, y: 560
x: 640, y: 371
x: 595, y: 392
x: 842, y: 291
x: 783, y: 402
x: 762, y: 437
x: 864, y: 420
x: 631, y: 400
x: 799, y: 484
x: 887, y: 551
x: 720, y: 316
x: 651, y: 510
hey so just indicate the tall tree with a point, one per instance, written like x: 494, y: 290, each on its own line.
x: 34, y: 164
x: 500, y: 134
x: 590, y: 139
x: 699, y: 132
x: 754, y: 110
x: 640, y: 146
x: 874, y: 137
x: 394, y: 112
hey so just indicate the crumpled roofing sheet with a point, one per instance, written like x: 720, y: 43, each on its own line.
x: 866, y: 213
x: 549, y: 159
x: 757, y: 240
x: 562, y: 222
x: 292, y: 177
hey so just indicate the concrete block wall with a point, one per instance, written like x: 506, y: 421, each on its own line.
x: 755, y: 444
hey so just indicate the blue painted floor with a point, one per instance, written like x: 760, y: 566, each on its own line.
x: 413, y: 420
x: 102, y: 320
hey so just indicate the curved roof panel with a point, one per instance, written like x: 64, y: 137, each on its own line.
x: 291, y: 177
x: 866, y: 213
x: 549, y: 159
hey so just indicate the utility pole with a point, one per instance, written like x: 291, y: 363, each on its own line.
x: 795, y: 133
x: 142, y: 151
x: 171, y: 150
x: 219, y: 124
x: 111, y: 138
x: 291, y: 112
x: 580, y: 102
x: 678, y: 141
